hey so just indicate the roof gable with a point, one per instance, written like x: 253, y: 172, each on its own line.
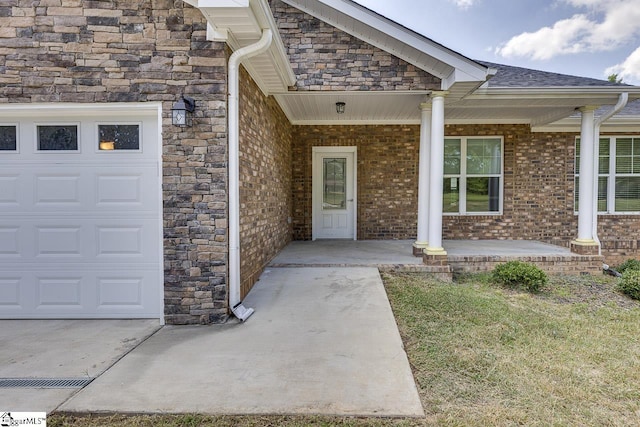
x: 373, y: 28
x: 326, y: 58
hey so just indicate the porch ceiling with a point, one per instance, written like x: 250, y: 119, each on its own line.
x: 524, y: 107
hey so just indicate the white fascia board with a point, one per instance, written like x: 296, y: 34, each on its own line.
x: 551, y: 92
x: 218, y: 3
x: 278, y: 53
x: 469, y: 70
x: 572, y: 124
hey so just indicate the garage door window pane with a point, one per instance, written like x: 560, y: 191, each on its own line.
x: 118, y: 137
x: 58, y: 138
x: 8, y: 138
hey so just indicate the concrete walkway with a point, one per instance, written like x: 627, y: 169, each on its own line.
x: 322, y: 341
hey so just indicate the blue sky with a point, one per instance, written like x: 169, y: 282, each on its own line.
x: 590, y: 38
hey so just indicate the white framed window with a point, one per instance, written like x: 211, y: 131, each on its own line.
x: 58, y: 137
x: 114, y: 137
x: 473, y: 176
x: 9, y: 138
x: 618, y: 175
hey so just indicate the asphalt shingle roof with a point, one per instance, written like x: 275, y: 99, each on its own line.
x: 509, y: 76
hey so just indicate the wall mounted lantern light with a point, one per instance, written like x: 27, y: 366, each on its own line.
x: 340, y: 106
x: 181, y: 111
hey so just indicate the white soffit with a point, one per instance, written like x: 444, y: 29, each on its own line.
x: 403, y: 107
x: 319, y: 108
x: 360, y: 22
x: 240, y: 23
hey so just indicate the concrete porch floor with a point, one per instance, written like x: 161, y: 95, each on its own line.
x: 399, y: 252
x: 462, y: 256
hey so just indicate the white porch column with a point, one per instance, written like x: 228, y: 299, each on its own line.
x: 436, y: 174
x: 587, y: 176
x: 423, y: 180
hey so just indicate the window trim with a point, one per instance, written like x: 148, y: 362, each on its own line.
x: 462, y: 176
x: 610, y: 176
x: 36, y: 135
x: 117, y: 123
x: 17, y: 126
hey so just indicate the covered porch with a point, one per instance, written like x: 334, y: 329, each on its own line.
x: 462, y: 256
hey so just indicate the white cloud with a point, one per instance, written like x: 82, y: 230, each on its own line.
x: 606, y: 25
x: 629, y: 69
x: 463, y: 4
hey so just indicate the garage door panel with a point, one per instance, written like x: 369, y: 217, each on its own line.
x: 110, y: 241
x: 122, y: 188
x: 9, y: 241
x: 58, y: 291
x: 81, y: 231
x: 59, y: 241
x: 119, y: 291
x: 92, y: 188
x: 9, y: 189
x: 55, y: 293
x: 123, y: 240
x: 10, y: 293
x: 58, y: 189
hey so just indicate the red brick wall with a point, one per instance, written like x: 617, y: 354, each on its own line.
x: 387, y: 177
x: 538, y: 187
x: 265, y: 177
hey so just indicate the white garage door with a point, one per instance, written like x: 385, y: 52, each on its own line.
x: 80, y: 212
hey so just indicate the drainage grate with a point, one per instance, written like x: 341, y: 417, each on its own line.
x: 44, y: 382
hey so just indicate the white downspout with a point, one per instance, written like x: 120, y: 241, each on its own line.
x: 236, y: 58
x: 622, y: 102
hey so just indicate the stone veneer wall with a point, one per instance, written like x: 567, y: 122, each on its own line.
x: 538, y: 187
x: 265, y: 177
x: 90, y: 51
x: 324, y: 58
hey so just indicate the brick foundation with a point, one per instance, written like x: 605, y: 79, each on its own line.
x: 582, y: 249
x: 565, y: 264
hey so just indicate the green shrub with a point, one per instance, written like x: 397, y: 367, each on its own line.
x: 630, y: 283
x: 518, y: 273
x: 630, y: 264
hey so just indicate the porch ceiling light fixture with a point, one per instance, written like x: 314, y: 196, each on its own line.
x: 181, y: 111
x: 340, y: 106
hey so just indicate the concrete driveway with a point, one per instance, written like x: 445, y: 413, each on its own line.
x: 323, y: 340
x: 61, y: 350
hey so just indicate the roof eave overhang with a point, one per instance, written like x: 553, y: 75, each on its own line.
x: 572, y: 124
x: 240, y: 23
x: 604, y: 93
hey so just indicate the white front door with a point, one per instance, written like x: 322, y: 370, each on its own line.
x: 334, y: 193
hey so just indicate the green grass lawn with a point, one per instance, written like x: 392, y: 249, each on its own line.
x: 483, y: 355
